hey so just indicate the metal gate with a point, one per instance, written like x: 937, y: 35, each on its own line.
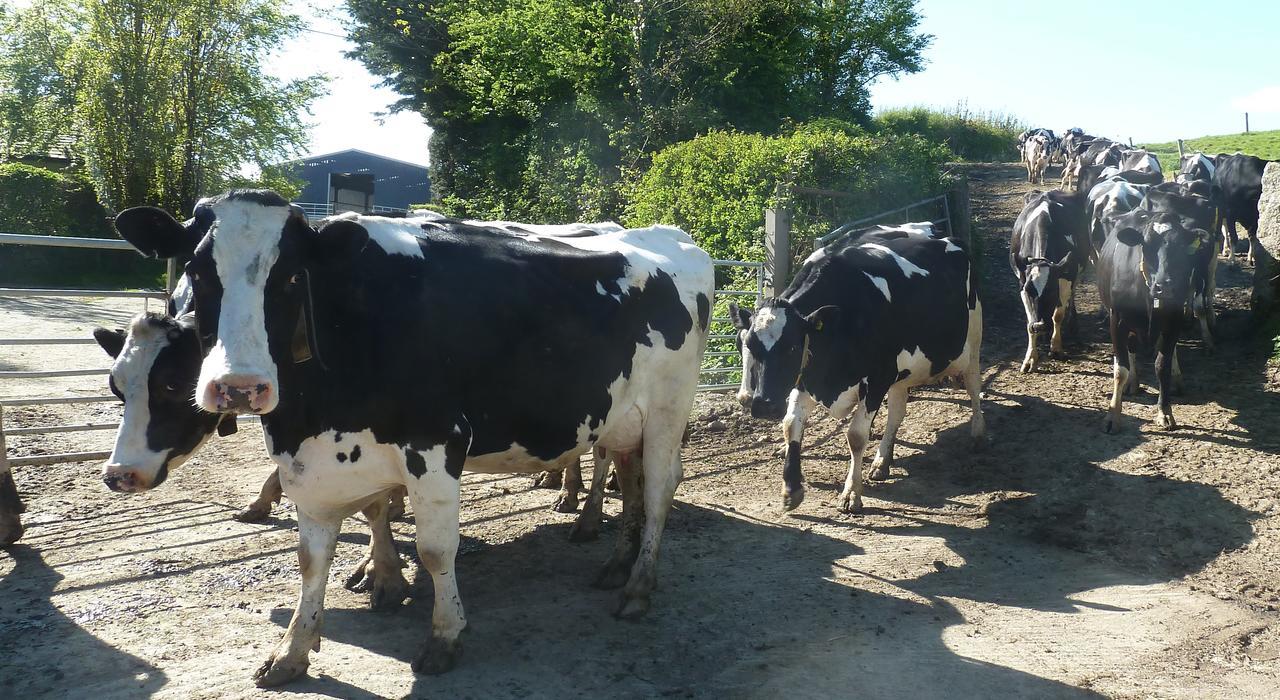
x: 721, y: 364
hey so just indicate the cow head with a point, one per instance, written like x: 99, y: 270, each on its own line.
x: 249, y: 281
x: 1169, y: 254
x: 1040, y: 293
x: 775, y: 343
x: 156, y: 364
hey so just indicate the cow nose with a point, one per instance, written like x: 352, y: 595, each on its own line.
x: 241, y: 394
x: 762, y: 407
x: 123, y: 480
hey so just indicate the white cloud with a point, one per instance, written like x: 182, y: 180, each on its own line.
x: 1262, y: 101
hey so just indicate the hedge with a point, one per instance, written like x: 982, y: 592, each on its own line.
x: 44, y: 202
x: 972, y: 136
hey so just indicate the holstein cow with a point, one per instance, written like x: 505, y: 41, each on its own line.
x: 1189, y: 201
x: 1107, y: 200
x: 866, y: 317
x: 1047, y: 250
x: 1193, y: 167
x: 435, y: 346
x: 1144, y: 277
x: 1238, y: 181
x: 1142, y: 161
x: 1035, y: 155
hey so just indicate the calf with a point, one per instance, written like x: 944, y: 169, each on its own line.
x: 1035, y: 155
x: 1238, y: 182
x: 434, y: 347
x: 1046, y: 251
x: 867, y: 317
x: 1144, y: 277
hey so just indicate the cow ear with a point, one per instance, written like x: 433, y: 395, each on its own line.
x: 1129, y: 237
x: 740, y: 317
x: 111, y: 341
x: 155, y: 233
x: 1201, y: 241
x: 824, y: 318
x: 340, y: 240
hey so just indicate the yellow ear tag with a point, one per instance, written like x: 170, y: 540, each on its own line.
x: 818, y: 325
x: 1195, y: 245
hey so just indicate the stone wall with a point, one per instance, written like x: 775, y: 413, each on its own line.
x: 1265, y: 276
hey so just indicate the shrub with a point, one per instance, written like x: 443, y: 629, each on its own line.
x: 43, y: 202
x: 972, y: 136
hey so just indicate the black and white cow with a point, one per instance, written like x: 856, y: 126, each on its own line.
x: 1144, y: 279
x: 432, y: 347
x: 1141, y: 161
x: 1107, y: 200
x: 11, y: 507
x: 1035, y: 156
x: 1099, y: 151
x: 867, y: 317
x: 1238, y: 182
x: 1191, y: 203
x: 1047, y: 250
x: 1194, y: 167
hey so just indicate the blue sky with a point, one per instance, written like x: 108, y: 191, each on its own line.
x: 1154, y: 71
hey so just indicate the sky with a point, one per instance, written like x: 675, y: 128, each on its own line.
x: 1141, y: 69
x: 1153, y: 71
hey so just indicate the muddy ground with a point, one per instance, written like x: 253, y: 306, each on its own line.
x: 1059, y: 562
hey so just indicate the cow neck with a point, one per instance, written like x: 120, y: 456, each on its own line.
x: 304, y: 345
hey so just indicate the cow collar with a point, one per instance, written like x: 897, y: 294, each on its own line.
x: 305, y: 346
x: 804, y: 361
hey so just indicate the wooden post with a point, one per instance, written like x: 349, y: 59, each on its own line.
x: 171, y: 274
x: 959, y: 210
x: 1246, y: 122
x: 1130, y: 142
x: 1180, y: 147
x: 777, y: 250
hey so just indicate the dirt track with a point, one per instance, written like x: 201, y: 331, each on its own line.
x: 1059, y: 562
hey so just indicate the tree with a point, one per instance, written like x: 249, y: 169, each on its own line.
x: 541, y: 108
x: 37, y: 85
x: 174, y: 100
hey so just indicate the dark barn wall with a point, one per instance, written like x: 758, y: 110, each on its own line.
x: 396, y: 183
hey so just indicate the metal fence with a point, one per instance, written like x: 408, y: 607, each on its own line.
x: 717, y: 375
x: 319, y: 210
x: 9, y: 292
x: 934, y: 206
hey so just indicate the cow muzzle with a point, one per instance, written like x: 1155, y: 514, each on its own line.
x: 240, y: 393
x: 124, y: 480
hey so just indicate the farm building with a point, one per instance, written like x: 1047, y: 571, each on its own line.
x: 356, y: 180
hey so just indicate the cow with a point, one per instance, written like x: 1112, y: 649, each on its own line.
x: 1047, y: 251
x: 1135, y: 177
x: 1099, y: 151
x: 11, y: 507
x: 1238, y: 182
x: 1035, y: 155
x: 1190, y: 202
x: 1107, y: 200
x: 1194, y: 167
x: 867, y: 317
x: 1144, y: 277
x: 1142, y: 161
x: 432, y: 347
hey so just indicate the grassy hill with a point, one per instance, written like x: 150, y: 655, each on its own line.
x: 1264, y: 144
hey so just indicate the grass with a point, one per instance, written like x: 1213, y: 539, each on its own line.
x: 1264, y: 144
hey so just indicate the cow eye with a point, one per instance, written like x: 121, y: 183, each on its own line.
x: 295, y: 278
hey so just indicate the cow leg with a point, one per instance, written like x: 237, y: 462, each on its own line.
x: 260, y: 509
x: 1166, y: 358
x: 1055, y: 338
x: 1211, y: 293
x: 799, y: 405
x: 1119, y: 374
x: 1032, y: 357
x: 1252, y: 234
x: 587, y: 526
x: 1178, y: 386
x: 568, y: 500
x: 434, y: 496
x: 1133, y: 371
x: 859, y: 435
x: 317, y: 538
x: 662, y: 474
x: 1229, y: 238
x: 897, y: 400
x: 11, y: 507
x: 617, y: 570
x: 379, y: 571
x: 973, y: 385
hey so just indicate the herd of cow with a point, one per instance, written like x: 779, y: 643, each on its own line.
x: 385, y: 356
x: 1154, y: 243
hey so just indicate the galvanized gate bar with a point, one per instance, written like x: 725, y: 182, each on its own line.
x: 16, y: 292
x: 41, y: 374
x: 65, y: 242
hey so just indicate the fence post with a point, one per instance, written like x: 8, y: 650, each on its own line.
x: 1180, y: 147
x: 777, y: 249
x: 959, y: 210
x: 170, y: 276
x: 4, y: 454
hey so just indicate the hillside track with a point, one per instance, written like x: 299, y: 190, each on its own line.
x: 1058, y: 562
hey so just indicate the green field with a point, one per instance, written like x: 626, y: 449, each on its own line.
x: 1264, y: 144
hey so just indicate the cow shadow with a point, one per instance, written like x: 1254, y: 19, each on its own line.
x: 83, y: 665
x: 745, y: 608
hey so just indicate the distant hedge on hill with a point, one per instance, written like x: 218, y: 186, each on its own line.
x: 972, y: 136
x: 37, y: 201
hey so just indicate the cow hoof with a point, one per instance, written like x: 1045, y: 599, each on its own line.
x: 1166, y: 421
x: 549, y: 480
x: 1058, y: 354
x: 437, y: 656
x: 1111, y: 425
x: 880, y: 469
x: 632, y: 608
x: 612, y: 575
x: 850, y: 504
x: 1026, y: 367
x: 386, y: 593
x: 582, y: 532
x: 253, y: 514
x: 566, y: 504
x: 793, y: 498
x: 11, y: 534
x: 278, y: 671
